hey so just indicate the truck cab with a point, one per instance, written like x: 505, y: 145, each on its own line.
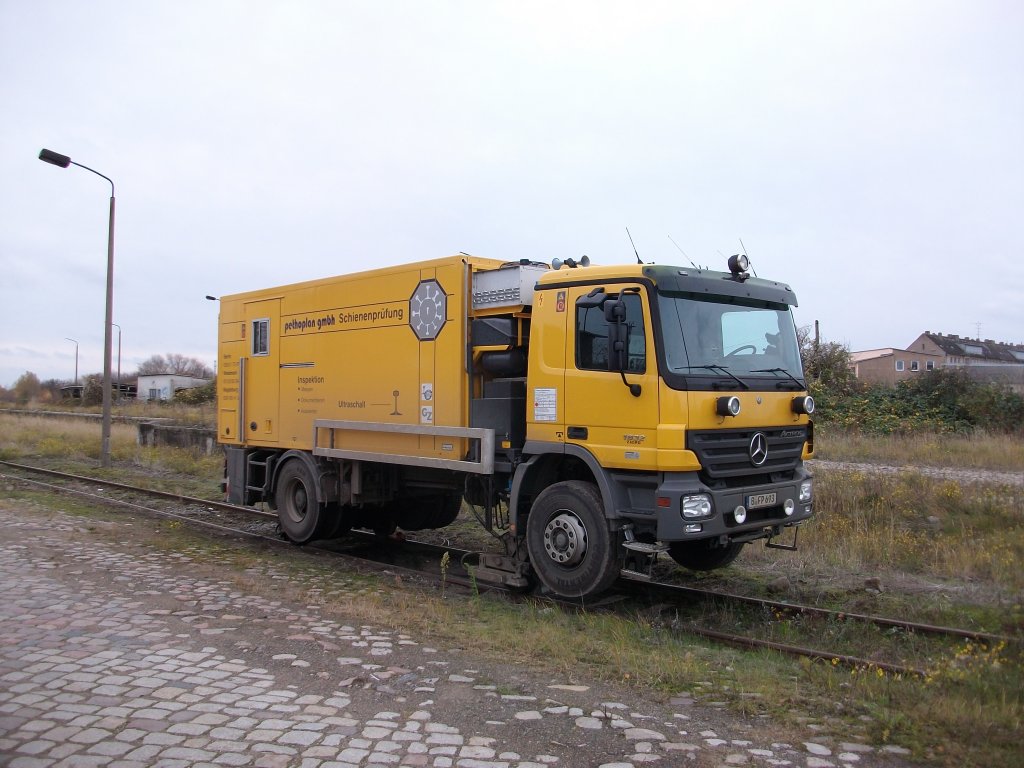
x: 673, y: 400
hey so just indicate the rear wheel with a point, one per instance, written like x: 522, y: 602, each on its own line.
x: 704, y: 555
x: 298, y: 511
x: 570, y: 542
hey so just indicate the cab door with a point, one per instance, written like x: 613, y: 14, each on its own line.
x: 262, y: 371
x: 602, y: 413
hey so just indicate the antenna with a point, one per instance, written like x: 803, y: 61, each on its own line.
x: 683, y: 252
x: 638, y: 259
x: 748, y: 257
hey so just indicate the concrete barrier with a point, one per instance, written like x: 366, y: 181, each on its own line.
x: 202, y: 439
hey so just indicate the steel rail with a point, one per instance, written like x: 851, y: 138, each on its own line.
x: 136, y: 489
x: 827, y: 613
x: 420, y: 573
x: 471, y: 584
x: 812, y: 653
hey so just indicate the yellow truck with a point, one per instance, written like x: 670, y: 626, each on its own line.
x: 593, y: 416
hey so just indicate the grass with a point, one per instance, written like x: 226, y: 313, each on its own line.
x: 74, y: 445
x: 911, y: 525
x: 944, y: 552
x: 204, y: 415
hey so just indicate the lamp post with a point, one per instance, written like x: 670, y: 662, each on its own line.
x: 118, y: 360
x: 63, y: 161
x: 75, y: 341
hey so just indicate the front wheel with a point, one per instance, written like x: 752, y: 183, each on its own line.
x: 704, y: 555
x: 570, y: 542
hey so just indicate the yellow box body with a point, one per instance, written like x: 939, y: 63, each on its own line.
x: 386, y: 346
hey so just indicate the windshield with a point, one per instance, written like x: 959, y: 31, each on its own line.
x: 722, y: 336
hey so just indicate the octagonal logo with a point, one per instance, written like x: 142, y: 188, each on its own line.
x: 428, y: 307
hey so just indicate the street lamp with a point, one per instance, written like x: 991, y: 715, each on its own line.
x: 118, y: 360
x: 76, y: 356
x: 63, y: 161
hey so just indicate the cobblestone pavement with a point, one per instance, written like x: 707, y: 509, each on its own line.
x: 115, y: 654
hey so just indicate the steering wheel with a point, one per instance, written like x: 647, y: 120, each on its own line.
x: 751, y: 347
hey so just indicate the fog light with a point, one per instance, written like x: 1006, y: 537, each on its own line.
x: 693, y: 528
x: 789, y: 506
x: 740, y: 514
x: 805, y: 490
x: 697, y: 506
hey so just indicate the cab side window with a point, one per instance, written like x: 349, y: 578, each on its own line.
x: 592, y: 336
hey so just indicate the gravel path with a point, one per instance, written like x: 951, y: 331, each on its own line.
x: 946, y: 473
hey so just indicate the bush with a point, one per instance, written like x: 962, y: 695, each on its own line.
x: 938, y: 401
x: 207, y: 393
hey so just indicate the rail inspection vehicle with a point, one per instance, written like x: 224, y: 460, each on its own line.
x: 594, y: 417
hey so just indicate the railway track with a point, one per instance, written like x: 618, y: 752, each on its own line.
x: 231, y: 519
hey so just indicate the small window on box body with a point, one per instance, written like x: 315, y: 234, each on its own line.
x: 915, y: 366
x: 261, y: 336
x: 930, y: 365
x: 900, y: 365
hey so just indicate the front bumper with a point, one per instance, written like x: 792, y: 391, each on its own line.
x: 672, y: 526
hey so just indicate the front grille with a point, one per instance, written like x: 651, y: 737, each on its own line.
x: 725, y: 453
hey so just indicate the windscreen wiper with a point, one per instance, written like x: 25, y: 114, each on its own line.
x: 796, y: 381
x: 719, y: 368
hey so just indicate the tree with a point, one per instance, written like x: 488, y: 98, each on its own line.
x: 826, y: 364
x: 26, y: 388
x: 180, y: 365
x: 50, y: 391
x: 92, y: 389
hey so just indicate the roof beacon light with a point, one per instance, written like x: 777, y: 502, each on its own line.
x: 739, y: 264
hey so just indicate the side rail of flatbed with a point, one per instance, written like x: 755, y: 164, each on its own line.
x: 327, y: 431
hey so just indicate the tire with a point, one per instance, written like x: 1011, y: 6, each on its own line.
x: 445, y: 509
x: 704, y: 555
x: 334, y: 522
x: 298, y: 511
x: 570, y: 542
x: 418, y: 513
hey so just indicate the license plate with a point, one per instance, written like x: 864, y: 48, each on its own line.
x: 758, y: 500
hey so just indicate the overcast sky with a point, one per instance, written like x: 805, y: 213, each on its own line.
x: 870, y: 154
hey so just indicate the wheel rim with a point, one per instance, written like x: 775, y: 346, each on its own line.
x: 565, y: 539
x: 297, y: 502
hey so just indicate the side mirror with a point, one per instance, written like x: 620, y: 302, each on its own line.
x: 618, y: 335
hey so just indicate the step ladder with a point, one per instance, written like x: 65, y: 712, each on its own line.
x: 640, y: 556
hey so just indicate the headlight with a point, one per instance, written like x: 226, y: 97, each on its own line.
x: 697, y: 506
x: 805, y: 490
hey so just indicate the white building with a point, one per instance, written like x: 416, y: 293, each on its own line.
x: 162, y: 386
